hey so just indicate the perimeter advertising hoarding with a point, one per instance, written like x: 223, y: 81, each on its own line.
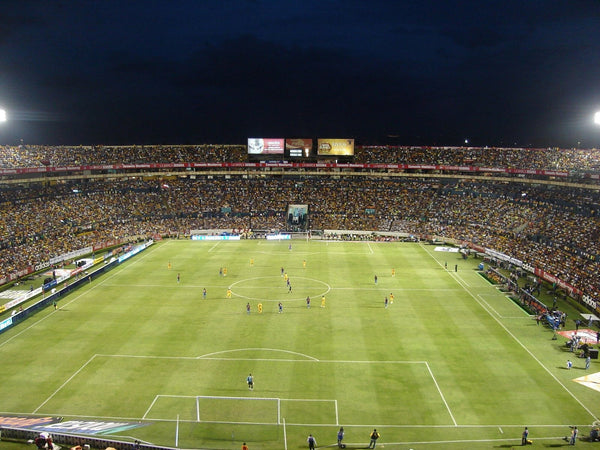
x: 335, y: 147
x: 265, y: 146
x: 299, y: 147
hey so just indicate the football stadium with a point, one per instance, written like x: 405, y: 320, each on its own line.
x: 216, y: 296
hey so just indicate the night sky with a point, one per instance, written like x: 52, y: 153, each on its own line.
x: 419, y: 72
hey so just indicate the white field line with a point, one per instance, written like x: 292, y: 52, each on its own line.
x: 441, y: 394
x: 150, y: 407
x: 64, y: 384
x: 284, y: 435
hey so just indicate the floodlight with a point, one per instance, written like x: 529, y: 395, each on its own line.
x: 597, y: 118
x: 2, y: 115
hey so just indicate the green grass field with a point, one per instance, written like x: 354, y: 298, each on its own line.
x: 452, y: 363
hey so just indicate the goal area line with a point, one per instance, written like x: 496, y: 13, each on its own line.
x: 272, y: 406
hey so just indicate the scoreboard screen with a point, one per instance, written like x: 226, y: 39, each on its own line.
x: 299, y: 148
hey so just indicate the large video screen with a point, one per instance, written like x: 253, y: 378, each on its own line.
x: 265, y: 146
x: 298, y: 148
x: 335, y: 147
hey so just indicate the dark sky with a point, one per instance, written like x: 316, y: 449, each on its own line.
x: 523, y: 73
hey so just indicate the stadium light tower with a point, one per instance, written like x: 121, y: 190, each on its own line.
x: 2, y: 115
x: 597, y: 118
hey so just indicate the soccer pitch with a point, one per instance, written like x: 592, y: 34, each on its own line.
x: 451, y: 363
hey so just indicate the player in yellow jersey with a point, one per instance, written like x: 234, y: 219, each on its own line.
x: 323, y: 302
x: 251, y: 262
x: 391, y: 298
x: 228, y: 295
x: 169, y: 265
x: 304, y: 264
x: 393, y: 272
x: 259, y: 308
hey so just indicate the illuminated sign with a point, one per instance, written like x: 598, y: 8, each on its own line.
x: 335, y: 147
x: 265, y: 146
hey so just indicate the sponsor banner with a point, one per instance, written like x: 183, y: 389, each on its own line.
x: 27, y: 421
x: 88, y: 427
x: 447, y: 249
x: 71, y: 255
x: 335, y: 147
x: 276, y: 237
x: 198, y: 237
x: 561, y: 284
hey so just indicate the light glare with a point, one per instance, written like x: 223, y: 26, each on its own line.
x: 2, y: 115
x: 597, y: 118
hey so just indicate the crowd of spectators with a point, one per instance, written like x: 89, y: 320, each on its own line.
x: 551, y: 227
x: 575, y: 161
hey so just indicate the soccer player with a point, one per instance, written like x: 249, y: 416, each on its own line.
x: 244, y: 446
x: 304, y: 264
x: 251, y: 262
x: 280, y: 306
x: 312, y: 442
x: 323, y: 302
x: 260, y: 308
x: 393, y: 272
x: 169, y: 265
x: 250, y: 381
x: 375, y: 278
x: 308, y: 302
x: 248, y: 308
x: 385, y: 302
x: 204, y: 293
x: 391, y: 298
x: 178, y: 278
x: 228, y: 295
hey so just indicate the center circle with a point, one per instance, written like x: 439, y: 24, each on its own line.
x: 276, y: 289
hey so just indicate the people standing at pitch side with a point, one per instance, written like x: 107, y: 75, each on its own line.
x: 312, y: 442
x: 340, y: 438
x: 374, y: 436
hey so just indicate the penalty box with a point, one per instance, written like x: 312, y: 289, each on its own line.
x: 299, y: 389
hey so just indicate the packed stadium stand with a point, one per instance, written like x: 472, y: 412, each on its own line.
x: 539, y: 206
